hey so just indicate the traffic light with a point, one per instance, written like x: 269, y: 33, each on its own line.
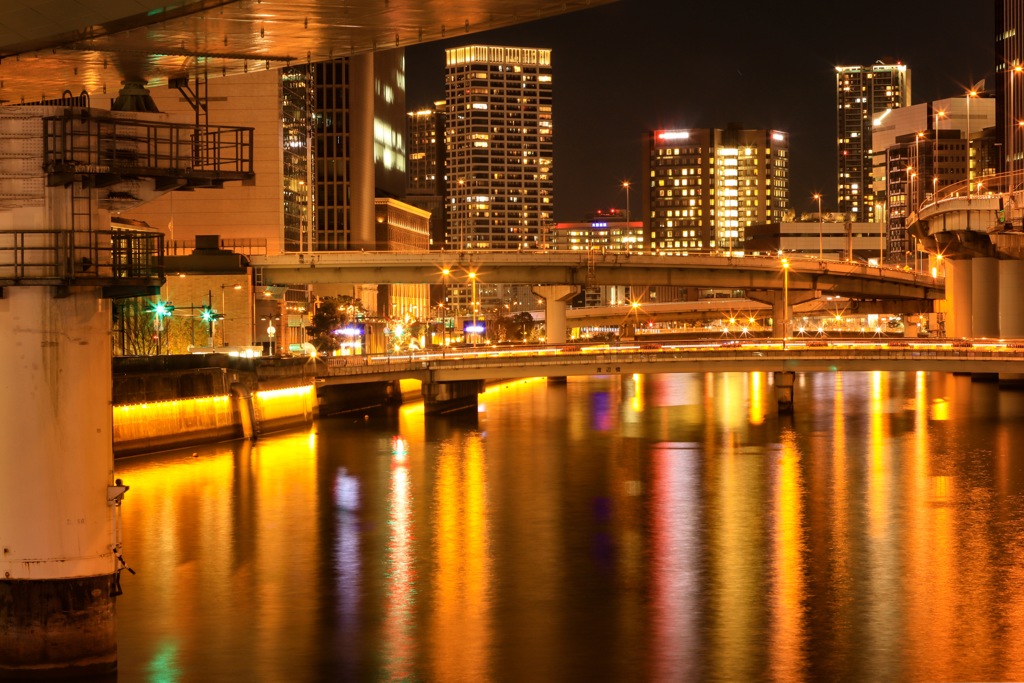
x: 161, y: 309
x: 207, y: 314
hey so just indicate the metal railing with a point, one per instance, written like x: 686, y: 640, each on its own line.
x: 81, y: 142
x: 47, y: 257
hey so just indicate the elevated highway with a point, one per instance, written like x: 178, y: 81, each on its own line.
x: 975, y: 235
x: 588, y: 268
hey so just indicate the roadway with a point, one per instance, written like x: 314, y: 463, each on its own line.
x: 587, y: 269
x: 491, y: 363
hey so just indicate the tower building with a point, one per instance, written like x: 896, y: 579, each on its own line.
x: 706, y: 185
x: 1009, y: 80
x: 499, y: 142
x: 864, y: 94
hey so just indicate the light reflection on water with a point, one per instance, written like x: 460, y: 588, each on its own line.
x: 663, y: 528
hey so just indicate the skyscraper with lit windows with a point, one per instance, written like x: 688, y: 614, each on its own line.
x: 1009, y: 80
x: 863, y: 95
x: 499, y: 143
x: 706, y: 185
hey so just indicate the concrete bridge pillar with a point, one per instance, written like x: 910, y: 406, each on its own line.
x: 782, y: 315
x: 958, y: 288
x: 985, y: 298
x: 1011, y: 299
x: 59, y: 510
x: 446, y: 397
x: 784, y: 390
x: 555, y: 298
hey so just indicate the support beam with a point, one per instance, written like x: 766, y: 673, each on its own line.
x: 447, y: 397
x: 784, y: 390
x: 58, y: 529
x: 958, y: 290
x: 1011, y: 299
x: 555, y: 298
x: 985, y: 298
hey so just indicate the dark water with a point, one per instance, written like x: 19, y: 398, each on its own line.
x: 661, y: 528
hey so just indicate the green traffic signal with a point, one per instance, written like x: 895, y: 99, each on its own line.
x: 162, y: 309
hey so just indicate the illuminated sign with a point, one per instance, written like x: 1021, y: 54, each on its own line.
x: 674, y: 135
x: 478, y: 327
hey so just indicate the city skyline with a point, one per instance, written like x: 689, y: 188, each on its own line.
x: 777, y: 72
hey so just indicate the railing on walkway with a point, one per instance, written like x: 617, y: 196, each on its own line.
x: 795, y: 354
x: 104, y: 257
x: 80, y: 142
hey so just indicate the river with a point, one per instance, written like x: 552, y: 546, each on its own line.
x: 645, y: 528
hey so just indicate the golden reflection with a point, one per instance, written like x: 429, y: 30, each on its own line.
x: 675, y: 572
x: 737, y: 547
x: 461, y: 630
x: 637, y: 404
x: 788, y: 632
x: 210, y: 549
x: 883, y: 550
x: 839, y: 516
x: 399, y: 631
x: 756, y: 396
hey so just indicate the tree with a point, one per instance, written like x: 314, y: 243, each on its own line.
x: 330, y: 316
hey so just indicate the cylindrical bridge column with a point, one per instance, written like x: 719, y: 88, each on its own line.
x: 1011, y: 299
x: 985, y: 298
x: 58, y: 531
x: 958, y: 287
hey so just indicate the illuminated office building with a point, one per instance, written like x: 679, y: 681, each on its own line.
x: 425, y: 182
x: 1010, y: 82
x: 499, y: 141
x: 864, y: 95
x: 499, y: 158
x: 706, y: 185
x: 345, y: 126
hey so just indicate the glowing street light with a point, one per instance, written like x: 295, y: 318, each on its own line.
x: 472, y: 278
x: 821, y: 227
x: 785, y: 301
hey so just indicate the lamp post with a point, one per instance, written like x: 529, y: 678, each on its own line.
x: 1010, y: 119
x: 445, y: 272
x: 821, y: 228
x: 472, y: 279
x: 970, y: 93
x: 935, y: 143
x: 785, y: 302
x: 625, y: 184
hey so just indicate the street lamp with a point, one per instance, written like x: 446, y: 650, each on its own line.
x: 970, y: 93
x: 626, y: 233
x: 935, y: 142
x: 785, y: 302
x: 1011, y: 117
x: 821, y: 228
x: 445, y: 272
x: 223, y: 309
x: 472, y: 279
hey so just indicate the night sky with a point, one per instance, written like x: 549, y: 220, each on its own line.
x: 623, y: 69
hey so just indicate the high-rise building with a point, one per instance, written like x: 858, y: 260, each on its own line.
x: 499, y: 141
x: 863, y: 95
x: 1010, y: 80
x: 922, y: 151
x: 425, y: 183
x: 706, y: 185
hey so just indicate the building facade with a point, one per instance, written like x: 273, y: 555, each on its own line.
x: 707, y: 185
x: 499, y: 139
x: 924, y: 150
x: 1009, y: 83
x: 426, y: 184
x: 864, y: 95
